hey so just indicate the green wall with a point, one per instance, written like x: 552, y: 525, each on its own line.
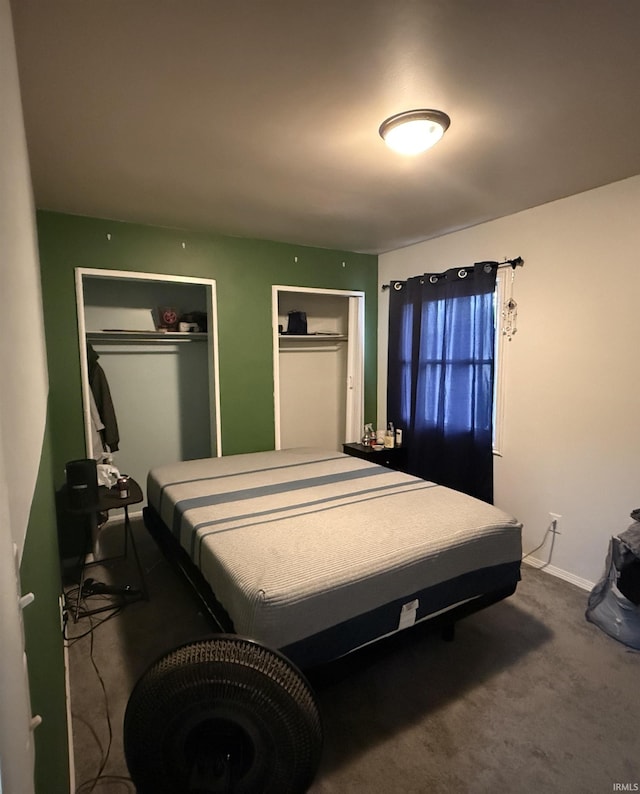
x: 244, y: 270
x: 40, y: 574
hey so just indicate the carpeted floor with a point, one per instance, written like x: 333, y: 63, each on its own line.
x: 528, y: 698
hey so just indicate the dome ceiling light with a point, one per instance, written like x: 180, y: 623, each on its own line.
x: 414, y: 131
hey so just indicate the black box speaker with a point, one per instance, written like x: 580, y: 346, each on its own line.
x: 82, y: 484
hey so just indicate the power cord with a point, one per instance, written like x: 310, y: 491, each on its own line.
x: 550, y: 529
x: 125, y: 781
x: 72, y: 594
x: 88, y: 786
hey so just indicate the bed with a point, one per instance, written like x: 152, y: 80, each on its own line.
x: 301, y: 556
x: 315, y: 553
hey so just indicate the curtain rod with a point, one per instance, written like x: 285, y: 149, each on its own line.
x: 514, y: 263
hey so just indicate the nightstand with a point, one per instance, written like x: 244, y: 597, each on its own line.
x: 110, y: 499
x: 392, y: 458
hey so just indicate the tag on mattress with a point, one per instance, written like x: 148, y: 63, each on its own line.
x: 408, y: 614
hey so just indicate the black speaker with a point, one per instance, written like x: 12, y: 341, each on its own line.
x: 82, y: 485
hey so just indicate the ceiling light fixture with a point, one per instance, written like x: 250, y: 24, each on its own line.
x: 414, y: 131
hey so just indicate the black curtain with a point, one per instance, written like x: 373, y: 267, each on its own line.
x: 441, y: 373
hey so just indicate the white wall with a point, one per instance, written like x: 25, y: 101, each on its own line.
x: 23, y: 400
x: 24, y: 385
x: 313, y: 395
x: 572, y: 391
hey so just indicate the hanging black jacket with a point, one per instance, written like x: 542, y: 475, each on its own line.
x: 102, y: 396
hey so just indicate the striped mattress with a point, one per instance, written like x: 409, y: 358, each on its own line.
x: 306, y: 543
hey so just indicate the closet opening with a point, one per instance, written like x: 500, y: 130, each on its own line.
x: 318, y: 374
x: 155, y: 338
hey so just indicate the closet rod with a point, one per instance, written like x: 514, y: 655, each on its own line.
x: 309, y: 349
x: 514, y: 263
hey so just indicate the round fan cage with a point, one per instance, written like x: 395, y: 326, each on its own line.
x: 223, y: 714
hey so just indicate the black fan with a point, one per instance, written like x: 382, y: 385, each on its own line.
x: 223, y: 714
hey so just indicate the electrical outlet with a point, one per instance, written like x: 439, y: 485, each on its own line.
x: 555, y: 522
x: 61, y: 607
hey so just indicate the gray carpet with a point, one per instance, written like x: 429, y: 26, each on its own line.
x: 529, y: 697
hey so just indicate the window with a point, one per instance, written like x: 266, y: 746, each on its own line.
x: 441, y: 382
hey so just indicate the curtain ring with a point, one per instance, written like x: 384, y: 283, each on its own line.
x: 462, y: 273
x: 433, y: 279
x: 397, y: 285
x: 487, y: 268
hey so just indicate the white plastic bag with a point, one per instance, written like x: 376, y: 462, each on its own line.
x: 608, y: 608
x: 107, y: 475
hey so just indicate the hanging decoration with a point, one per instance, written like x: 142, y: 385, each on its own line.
x: 510, y: 311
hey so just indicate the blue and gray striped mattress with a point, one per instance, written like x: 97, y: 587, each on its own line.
x: 296, y: 541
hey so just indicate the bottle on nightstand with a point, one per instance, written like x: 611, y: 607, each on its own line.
x: 390, y: 438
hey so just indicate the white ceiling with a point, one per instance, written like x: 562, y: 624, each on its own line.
x: 259, y: 118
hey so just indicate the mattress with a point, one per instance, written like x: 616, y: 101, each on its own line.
x: 306, y: 544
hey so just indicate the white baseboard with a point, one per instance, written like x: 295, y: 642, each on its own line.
x: 583, y: 584
x: 67, y: 689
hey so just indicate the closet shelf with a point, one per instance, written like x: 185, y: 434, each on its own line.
x: 312, y: 338
x: 145, y: 336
